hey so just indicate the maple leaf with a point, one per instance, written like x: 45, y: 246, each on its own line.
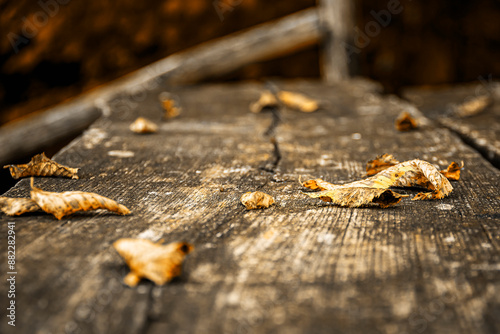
x: 154, y: 261
x: 40, y: 165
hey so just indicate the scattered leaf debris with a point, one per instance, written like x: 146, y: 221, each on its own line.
x: 472, y: 107
x: 154, y: 261
x: 374, y: 190
x: 40, y: 165
x: 66, y: 203
x: 256, y: 200
x: 17, y: 206
x: 405, y: 122
x: 290, y: 99
x: 385, y: 161
x: 143, y: 125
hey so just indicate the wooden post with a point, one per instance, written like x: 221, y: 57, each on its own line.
x: 337, y: 19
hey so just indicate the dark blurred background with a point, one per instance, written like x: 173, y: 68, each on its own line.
x: 76, y: 45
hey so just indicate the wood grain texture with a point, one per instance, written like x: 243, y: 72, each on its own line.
x: 300, y: 266
x: 481, y: 131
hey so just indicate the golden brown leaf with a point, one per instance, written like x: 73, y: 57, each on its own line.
x: 472, y: 107
x: 405, y: 122
x: 143, y: 125
x: 385, y: 161
x: 453, y: 171
x: 256, y: 200
x: 266, y: 100
x: 372, y: 190
x: 17, y: 206
x: 406, y: 174
x: 66, y: 203
x: 40, y: 165
x: 380, y: 163
x: 298, y: 101
x: 156, y: 262
x: 171, y: 108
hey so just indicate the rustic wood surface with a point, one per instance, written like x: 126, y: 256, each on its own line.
x: 481, y: 131
x: 301, y: 266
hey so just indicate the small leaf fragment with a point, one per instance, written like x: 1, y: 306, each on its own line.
x: 66, y: 203
x: 171, y: 108
x: 40, y: 165
x: 380, y: 163
x: 290, y: 99
x: 17, y: 206
x: 405, y: 122
x: 142, y: 125
x: 256, y: 200
x: 266, y: 100
x: 453, y: 171
x: 472, y: 107
x: 298, y: 101
x: 154, y: 261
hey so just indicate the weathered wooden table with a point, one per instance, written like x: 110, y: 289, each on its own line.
x: 301, y: 266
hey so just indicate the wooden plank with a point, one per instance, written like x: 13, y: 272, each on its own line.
x: 337, y: 18
x: 481, y: 131
x: 301, y: 265
x: 207, y: 60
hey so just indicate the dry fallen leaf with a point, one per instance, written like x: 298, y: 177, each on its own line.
x: 171, y: 108
x: 380, y: 163
x: 472, y: 107
x: 405, y: 122
x: 156, y: 262
x: 256, y: 200
x: 298, y: 101
x: 453, y: 171
x: 40, y: 165
x: 17, y: 206
x: 266, y: 100
x: 375, y: 188
x: 290, y: 99
x: 143, y: 125
x: 66, y: 203
x: 385, y: 161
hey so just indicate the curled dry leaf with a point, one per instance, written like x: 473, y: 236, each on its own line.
x: 256, y: 200
x: 266, y: 100
x: 290, y: 99
x: 143, y: 125
x: 17, y: 206
x: 171, y: 108
x: 405, y: 122
x: 385, y: 161
x: 66, y: 203
x: 374, y: 190
x: 298, y: 101
x: 156, y: 262
x: 472, y: 107
x: 40, y: 165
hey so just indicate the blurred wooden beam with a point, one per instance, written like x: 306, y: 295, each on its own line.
x: 210, y: 59
x: 337, y: 20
